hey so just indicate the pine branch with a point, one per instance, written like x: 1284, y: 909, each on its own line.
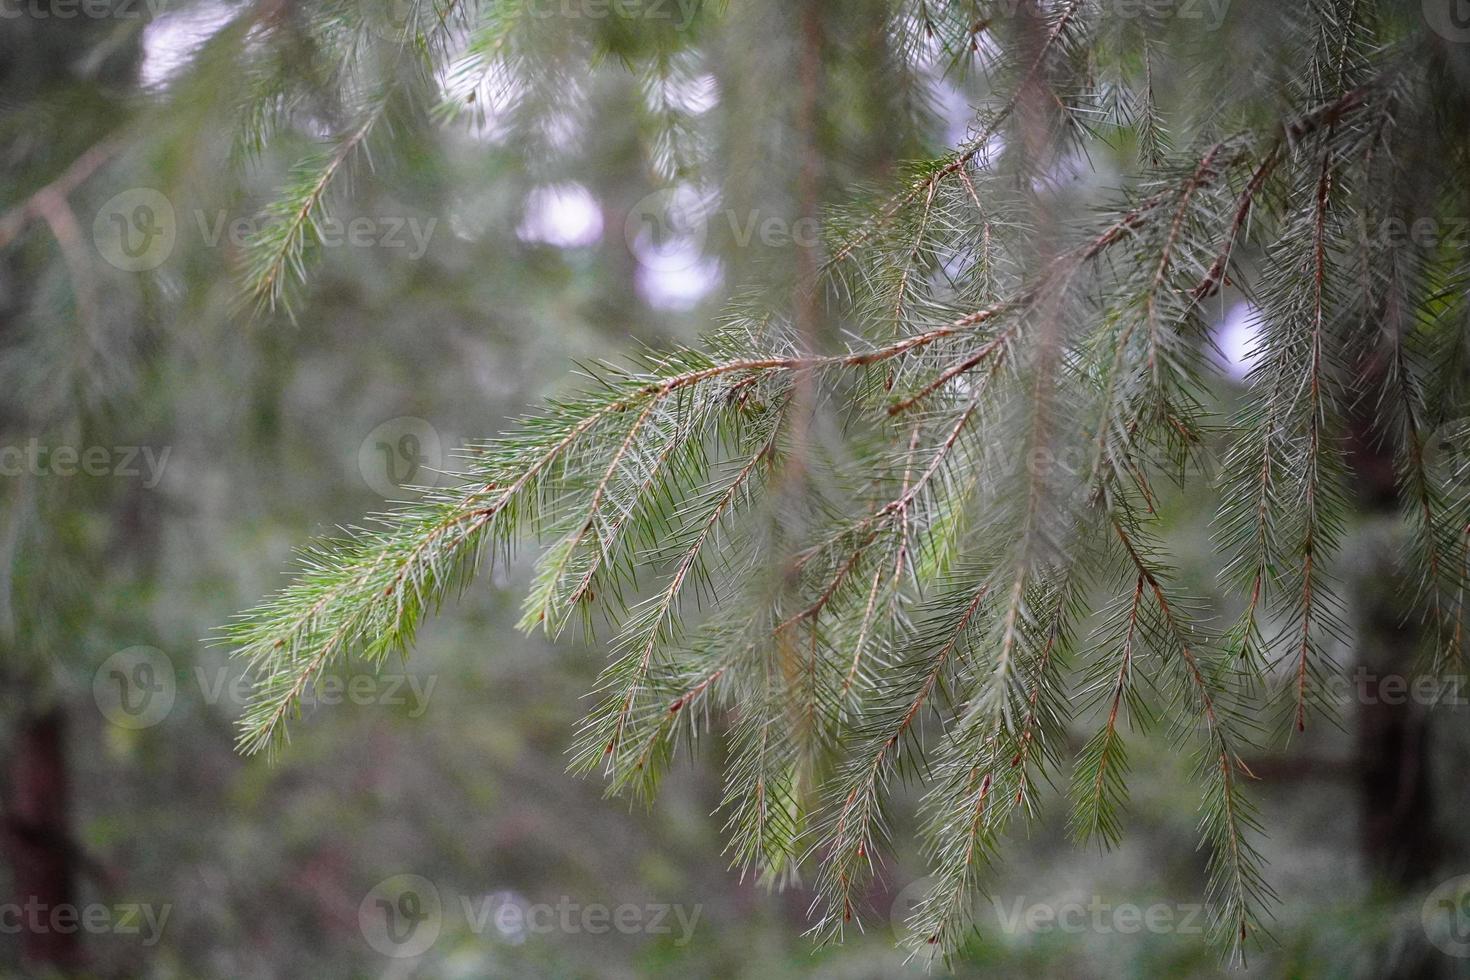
x: 806, y: 615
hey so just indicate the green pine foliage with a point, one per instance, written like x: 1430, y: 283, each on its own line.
x: 933, y: 555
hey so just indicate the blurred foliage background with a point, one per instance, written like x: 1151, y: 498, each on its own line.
x: 266, y: 430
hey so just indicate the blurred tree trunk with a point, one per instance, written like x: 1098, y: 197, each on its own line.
x: 1392, y: 746
x: 39, y: 58
x: 38, y: 846
x: 809, y: 320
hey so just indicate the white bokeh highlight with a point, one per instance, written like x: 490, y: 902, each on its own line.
x: 170, y: 40
x: 563, y: 215
x: 1236, y: 337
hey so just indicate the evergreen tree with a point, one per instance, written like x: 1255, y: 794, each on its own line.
x: 902, y: 519
x: 952, y: 518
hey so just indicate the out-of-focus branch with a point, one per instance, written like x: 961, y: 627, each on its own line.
x: 49, y: 204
